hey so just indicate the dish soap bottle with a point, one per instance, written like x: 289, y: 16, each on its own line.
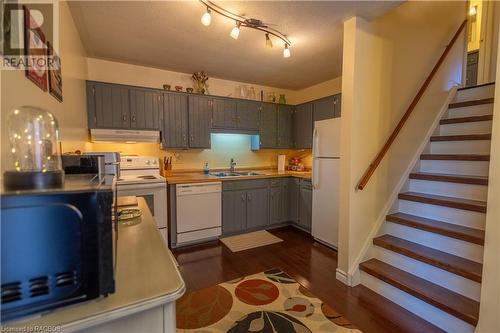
x: 206, y: 169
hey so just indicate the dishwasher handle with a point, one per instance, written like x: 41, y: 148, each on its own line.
x: 198, y: 188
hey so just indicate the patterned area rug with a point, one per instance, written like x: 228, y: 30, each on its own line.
x: 268, y: 302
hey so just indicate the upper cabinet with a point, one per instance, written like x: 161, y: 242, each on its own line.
x: 107, y: 105
x: 200, y: 119
x: 303, y: 126
x: 248, y: 115
x: 174, y: 121
x: 285, y: 127
x: 224, y: 113
x: 327, y: 108
x: 145, y: 106
x: 268, y: 126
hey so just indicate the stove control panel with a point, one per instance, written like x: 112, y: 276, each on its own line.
x: 138, y: 162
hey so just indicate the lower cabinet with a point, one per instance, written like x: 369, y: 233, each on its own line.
x: 305, y: 204
x: 293, y: 199
x: 234, y: 211
x: 257, y: 208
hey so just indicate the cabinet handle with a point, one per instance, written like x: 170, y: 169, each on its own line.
x: 124, y: 117
x: 184, y: 137
x: 249, y: 197
x: 95, y: 120
x: 133, y: 118
x: 242, y: 197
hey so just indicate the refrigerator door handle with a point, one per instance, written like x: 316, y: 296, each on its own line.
x: 315, y: 174
x: 315, y: 143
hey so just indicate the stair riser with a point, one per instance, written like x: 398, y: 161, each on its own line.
x: 475, y: 93
x: 457, y: 190
x: 476, y: 127
x: 468, y: 111
x: 461, y: 147
x: 422, y: 309
x: 450, y: 245
x: 430, y: 273
x: 451, y: 215
x: 473, y: 168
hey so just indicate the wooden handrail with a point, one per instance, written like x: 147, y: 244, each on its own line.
x: 373, y: 166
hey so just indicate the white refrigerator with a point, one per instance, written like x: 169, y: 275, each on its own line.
x: 326, y: 181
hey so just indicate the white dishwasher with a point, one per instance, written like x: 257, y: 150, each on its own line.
x: 199, y: 212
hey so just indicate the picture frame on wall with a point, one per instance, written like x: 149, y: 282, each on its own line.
x: 35, y: 50
x: 55, y: 73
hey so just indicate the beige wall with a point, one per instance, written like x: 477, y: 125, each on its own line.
x: 384, y: 63
x: 323, y: 89
x: 489, y: 321
x: 17, y: 90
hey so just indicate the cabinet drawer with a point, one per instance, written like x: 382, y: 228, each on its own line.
x: 275, y: 182
x: 231, y: 185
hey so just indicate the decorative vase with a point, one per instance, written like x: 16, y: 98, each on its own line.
x: 282, y: 99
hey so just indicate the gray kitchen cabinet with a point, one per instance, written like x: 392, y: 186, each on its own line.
x: 285, y: 127
x: 108, y: 105
x: 145, y: 106
x: 174, y: 121
x: 338, y: 105
x: 324, y: 108
x: 223, y: 113
x: 268, y: 125
x: 305, y: 205
x: 200, y: 118
x: 276, y: 205
x: 303, y: 126
x: 234, y: 211
x: 248, y: 115
x: 293, y: 199
x: 257, y: 208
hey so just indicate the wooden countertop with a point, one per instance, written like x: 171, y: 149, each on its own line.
x: 199, y: 177
x: 146, y: 277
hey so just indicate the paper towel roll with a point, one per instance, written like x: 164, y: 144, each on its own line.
x: 281, y: 163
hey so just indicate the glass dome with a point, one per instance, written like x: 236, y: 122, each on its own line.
x: 34, y: 146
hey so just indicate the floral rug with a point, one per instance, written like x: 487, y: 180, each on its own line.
x: 265, y: 302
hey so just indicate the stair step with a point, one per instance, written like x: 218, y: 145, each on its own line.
x: 455, y: 157
x: 442, y: 177
x: 471, y: 103
x: 472, y: 119
x: 455, y: 304
x: 439, y: 200
x: 457, y: 265
x: 476, y: 86
x: 456, y: 231
x: 465, y: 137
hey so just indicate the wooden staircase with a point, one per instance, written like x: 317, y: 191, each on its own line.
x: 428, y: 255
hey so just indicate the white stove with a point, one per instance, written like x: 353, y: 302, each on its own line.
x: 140, y: 177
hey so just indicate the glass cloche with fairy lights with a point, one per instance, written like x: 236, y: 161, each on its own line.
x: 35, y: 161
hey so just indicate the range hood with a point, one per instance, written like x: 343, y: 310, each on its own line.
x: 117, y: 135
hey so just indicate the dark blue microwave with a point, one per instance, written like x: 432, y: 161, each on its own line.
x: 57, y: 245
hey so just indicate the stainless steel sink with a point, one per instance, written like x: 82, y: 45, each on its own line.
x: 235, y: 174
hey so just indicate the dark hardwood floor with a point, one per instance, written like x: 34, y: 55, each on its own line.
x: 312, y: 265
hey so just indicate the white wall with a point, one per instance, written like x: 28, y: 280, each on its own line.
x: 489, y: 320
x: 384, y: 63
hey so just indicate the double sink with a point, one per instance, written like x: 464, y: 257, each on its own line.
x: 235, y: 174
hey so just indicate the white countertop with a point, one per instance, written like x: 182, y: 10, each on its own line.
x: 146, y: 277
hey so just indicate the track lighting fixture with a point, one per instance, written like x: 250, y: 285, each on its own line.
x: 236, y: 31
x: 206, y: 18
x: 241, y: 21
x: 286, y: 52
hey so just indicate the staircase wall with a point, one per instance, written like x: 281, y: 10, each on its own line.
x: 384, y: 63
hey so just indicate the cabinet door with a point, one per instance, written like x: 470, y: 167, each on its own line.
x: 257, y: 208
x: 303, y: 126
x: 305, y: 207
x: 108, y: 106
x: 285, y: 135
x: 268, y: 125
x: 324, y: 108
x: 293, y: 199
x: 276, y: 202
x: 285, y: 199
x: 174, y: 126
x: 200, y: 116
x: 247, y: 115
x: 338, y: 105
x: 145, y: 106
x: 234, y: 211
x: 223, y: 113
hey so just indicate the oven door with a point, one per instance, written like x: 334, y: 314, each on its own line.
x: 155, y: 195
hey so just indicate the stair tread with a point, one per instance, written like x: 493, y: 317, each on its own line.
x: 477, y: 86
x: 470, y: 119
x: 453, y: 303
x: 471, y: 103
x: 456, y: 231
x: 461, y: 137
x: 455, y: 157
x: 457, y: 265
x: 440, y: 200
x: 451, y: 178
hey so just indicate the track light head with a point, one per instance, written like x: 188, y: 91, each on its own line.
x: 236, y: 31
x: 206, y: 18
x: 269, y: 43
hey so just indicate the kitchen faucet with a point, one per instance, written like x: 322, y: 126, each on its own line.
x: 232, y: 164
